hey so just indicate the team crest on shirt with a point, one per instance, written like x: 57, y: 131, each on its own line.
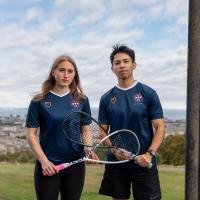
x: 47, y: 104
x: 113, y: 100
x: 137, y: 98
x: 75, y: 104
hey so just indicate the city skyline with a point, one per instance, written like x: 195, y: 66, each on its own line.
x: 33, y: 33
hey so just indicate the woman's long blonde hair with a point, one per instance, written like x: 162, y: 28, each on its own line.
x: 48, y: 85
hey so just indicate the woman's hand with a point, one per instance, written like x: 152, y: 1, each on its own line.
x: 91, y: 155
x: 48, y: 168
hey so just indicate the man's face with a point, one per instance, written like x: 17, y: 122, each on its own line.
x: 123, y: 66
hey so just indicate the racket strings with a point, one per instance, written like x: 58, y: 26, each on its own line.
x: 125, y: 145
x: 82, y: 129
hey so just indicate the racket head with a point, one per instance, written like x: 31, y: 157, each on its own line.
x: 81, y: 128
x: 118, y: 146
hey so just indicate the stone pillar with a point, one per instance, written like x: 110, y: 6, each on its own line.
x: 192, y: 170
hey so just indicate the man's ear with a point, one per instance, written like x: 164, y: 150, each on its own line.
x: 134, y: 65
x: 112, y: 68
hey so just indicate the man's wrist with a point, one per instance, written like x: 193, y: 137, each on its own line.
x: 152, y: 152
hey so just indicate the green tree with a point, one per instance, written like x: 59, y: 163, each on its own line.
x: 172, y: 150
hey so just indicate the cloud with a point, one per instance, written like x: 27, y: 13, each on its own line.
x: 166, y: 72
x: 32, y: 14
x: 144, y: 2
x: 83, y: 13
x: 89, y: 13
x: 86, y: 31
x: 118, y: 22
x: 174, y: 9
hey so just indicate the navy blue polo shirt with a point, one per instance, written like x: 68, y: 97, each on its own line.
x: 48, y: 115
x: 132, y: 108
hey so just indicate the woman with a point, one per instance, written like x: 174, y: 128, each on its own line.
x: 61, y: 94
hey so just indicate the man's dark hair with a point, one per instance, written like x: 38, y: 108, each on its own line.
x: 121, y: 48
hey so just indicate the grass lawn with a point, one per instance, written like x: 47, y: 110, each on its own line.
x: 16, y: 182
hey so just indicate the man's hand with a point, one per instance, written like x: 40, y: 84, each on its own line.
x: 144, y: 160
x: 121, y: 154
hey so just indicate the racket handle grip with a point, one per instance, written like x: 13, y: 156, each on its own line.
x: 149, y: 166
x: 60, y: 167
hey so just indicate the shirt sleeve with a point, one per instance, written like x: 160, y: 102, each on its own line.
x: 32, y: 119
x: 86, y: 109
x: 155, y: 108
x: 103, y: 112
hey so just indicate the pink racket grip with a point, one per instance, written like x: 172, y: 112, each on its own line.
x: 60, y: 167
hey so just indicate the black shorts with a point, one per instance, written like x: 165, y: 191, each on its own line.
x: 117, y: 183
x: 69, y: 182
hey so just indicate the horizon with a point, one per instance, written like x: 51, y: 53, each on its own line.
x: 171, y: 114
x: 94, y: 107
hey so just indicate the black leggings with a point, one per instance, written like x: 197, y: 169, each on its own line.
x: 69, y: 182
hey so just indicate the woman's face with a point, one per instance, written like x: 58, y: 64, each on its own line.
x: 64, y: 74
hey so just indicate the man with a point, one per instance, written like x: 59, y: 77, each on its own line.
x: 134, y: 106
